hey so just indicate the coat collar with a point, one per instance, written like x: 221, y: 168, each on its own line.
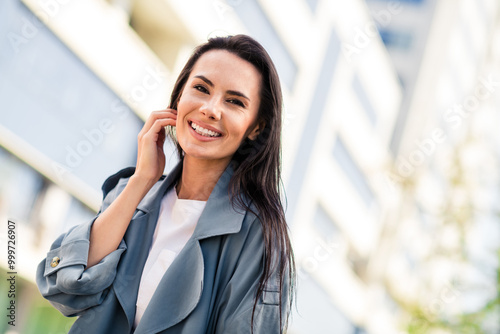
x: 152, y: 199
x: 218, y: 218
x: 227, y: 218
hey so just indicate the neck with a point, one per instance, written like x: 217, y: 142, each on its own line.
x: 199, y: 177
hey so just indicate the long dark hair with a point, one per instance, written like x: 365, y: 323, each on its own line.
x: 257, y: 167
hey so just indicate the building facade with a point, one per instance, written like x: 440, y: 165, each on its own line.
x: 443, y: 242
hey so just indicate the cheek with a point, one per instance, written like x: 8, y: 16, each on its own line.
x: 240, y: 127
x: 186, y: 105
x: 183, y: 108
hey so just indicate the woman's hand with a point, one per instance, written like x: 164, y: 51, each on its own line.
x: 110, y: 226
x: 150, y: 155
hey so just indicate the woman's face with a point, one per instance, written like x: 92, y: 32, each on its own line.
x: 218, y: 106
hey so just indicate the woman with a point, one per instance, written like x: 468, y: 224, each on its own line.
x: 204, y: 249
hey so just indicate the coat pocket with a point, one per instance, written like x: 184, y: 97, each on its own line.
x: 271, y: 297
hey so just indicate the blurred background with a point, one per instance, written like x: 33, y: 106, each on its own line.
x: 391, y: 151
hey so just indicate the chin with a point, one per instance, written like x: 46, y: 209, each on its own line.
x: 203, y: 154
x: 200, y: 153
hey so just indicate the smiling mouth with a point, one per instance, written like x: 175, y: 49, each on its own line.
x: 202, y: 131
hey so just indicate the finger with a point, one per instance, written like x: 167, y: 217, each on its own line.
x: 161, y: 138
x: 171, y: 110
x: 155, y: 115
x: 165, y: 111
x: 158, y: 126
x: 160, y: 114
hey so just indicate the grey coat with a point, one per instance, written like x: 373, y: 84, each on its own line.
x: 209, y: 288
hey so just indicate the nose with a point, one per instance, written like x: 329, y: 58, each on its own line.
x: 212, y: 108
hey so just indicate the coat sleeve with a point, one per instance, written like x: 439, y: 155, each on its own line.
x: 62, y: 277
x: 237, y: 302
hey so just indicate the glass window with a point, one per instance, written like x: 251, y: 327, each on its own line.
x: 77, y: 214
x: 52, y: 100
x: 20, y: 186
x: 416, y: 2
x: 259, y: 27
x: 324, y: 223
x: 360, y: 92
x: 359, y: 330
x: 316, y: 311
x: 396, y: 39
x: 312, y: 4
x: 313, y: 119
x: 351, y: 169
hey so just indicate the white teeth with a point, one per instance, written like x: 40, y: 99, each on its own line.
x: 204, y: 132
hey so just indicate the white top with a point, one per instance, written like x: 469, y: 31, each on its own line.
x: 176, y: 223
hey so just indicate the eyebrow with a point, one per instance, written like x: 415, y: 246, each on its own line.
x: 231, y: 92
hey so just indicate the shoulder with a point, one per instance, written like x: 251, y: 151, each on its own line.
x: 256, y: 232
x: 251, y: 228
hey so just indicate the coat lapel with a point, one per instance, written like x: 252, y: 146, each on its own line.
x: 219, y: 217
x: 138, y: 238
x: 181, y: 287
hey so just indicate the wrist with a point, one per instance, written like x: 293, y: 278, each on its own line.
x: 141, y: 184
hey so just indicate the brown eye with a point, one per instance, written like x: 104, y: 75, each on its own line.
x: 201, y: 88
x: 236, y: 102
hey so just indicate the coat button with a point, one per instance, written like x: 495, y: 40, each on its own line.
x: 55, y: 261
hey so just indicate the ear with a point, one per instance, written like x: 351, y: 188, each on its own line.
x: 259, y: 127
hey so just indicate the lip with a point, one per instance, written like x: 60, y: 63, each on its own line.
x: 204, y: 125
x: 200, y: 137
